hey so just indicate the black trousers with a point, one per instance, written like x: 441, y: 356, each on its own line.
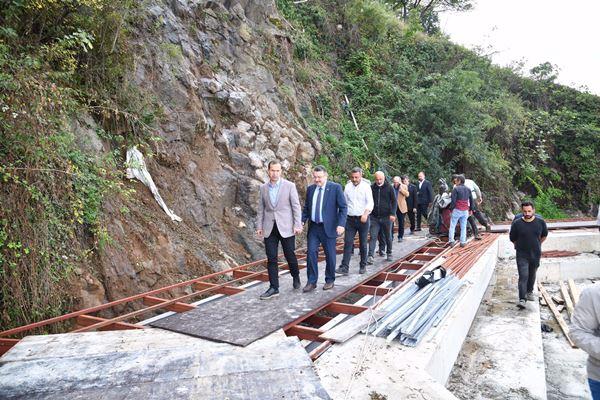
x: 473, y: 225
x: 289, y: 251
x: 400, y: 223
x: 380, y: 225
x: 421, y: 212
x: 354, y: 225
x: 527, y: 267
x: 481, y: 217
x: 411, y: 219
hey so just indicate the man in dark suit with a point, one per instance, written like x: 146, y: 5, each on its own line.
x: 325, y: 210
x: 411, y: 204
x: 424, y: 198
x: 278, y: 220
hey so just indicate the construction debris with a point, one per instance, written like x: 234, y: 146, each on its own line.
x: 559, y: 253
x: 556, y: 313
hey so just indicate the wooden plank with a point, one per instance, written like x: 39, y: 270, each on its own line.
x: 176, y: 307
x: 228, y: 290
x: 574, y: 291
x: 558, y: 300
x: 87, y: 320
x: 568, y: 302
x: 342, y: 308
x: 349, y: 328
x: 556, y: 313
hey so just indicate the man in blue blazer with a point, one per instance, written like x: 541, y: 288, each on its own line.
x: 325, y: 210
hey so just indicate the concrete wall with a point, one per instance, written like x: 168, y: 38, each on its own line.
x: 583, y: 241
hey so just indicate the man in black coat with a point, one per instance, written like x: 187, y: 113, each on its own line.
x: 382, y: 216
x: 424, y: 198
x: 411, y: 204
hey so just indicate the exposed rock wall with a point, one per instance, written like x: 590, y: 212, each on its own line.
x: 217, y: 70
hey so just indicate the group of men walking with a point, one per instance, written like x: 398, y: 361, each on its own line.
x: 330, y: 211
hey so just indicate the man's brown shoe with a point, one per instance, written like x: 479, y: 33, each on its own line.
x: 309, y: 287
x: 328, y: 286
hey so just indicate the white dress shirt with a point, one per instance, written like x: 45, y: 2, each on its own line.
x: 359, y: 198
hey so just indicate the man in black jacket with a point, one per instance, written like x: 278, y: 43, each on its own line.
x: 424, y: 198
x: 411, y: 203
x: 383, y: 214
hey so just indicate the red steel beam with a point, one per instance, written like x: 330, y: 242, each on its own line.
x: 88, y: 320
x: 228, y: 290
x: 176, y: 307
x: 371, y: 290
x: 305, y: 333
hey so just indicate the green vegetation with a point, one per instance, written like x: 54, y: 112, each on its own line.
x: 60, y: 61
x: 422, y: 102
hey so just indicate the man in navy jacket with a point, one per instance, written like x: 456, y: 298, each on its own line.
x: 325, y: 210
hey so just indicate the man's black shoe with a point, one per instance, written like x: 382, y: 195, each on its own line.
x: 418, y: 230
x: 400, y: 240
x: 296, y: 282
x: 269, y: 294
x: 389, y: 257
x: 342, y: 270
x: 328, y: 286
x: 362, y: 270
x: 381, y: 253
x: 309, y: 287
x: 370, y: 260
x: 477, y: 237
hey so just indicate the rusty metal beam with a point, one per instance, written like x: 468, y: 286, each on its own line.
x: 343, y: 308
x: 228, y: 290
x: 176, y: 307
x: 305, y: 333
x: 371, y: 290
x: 88, y: 320
x: 242, y: 274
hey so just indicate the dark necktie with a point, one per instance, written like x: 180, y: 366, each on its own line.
x: 318, y: 207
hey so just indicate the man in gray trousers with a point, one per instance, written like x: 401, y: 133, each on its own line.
x: 279, y: 220
x: 585, y: 333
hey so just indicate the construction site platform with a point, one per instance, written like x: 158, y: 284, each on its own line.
x: 242, y: 318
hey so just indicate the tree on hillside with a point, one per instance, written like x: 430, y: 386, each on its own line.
x: 427, y: 10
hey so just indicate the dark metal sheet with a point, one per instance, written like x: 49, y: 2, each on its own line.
x: 243, y: 318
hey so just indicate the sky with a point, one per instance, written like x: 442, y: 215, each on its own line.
x: 565, y: 33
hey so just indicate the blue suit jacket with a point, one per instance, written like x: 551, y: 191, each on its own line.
x: 334, y: 211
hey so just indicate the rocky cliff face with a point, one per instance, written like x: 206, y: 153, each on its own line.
x: 221, y: 73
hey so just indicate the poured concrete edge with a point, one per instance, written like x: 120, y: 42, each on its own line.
x: 367, y: 366
x: 583, y: 241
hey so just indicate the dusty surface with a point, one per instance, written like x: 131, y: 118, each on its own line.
x: 566, y: 377
x: 482, y: 372
x: 502, y: 357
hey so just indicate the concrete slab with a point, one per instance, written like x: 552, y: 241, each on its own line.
x: 553, y: 225
x: 366, y: 366
x: 156, y: 364
x: 586, y: 265
x: 503, y: 355
x: 243, y: 318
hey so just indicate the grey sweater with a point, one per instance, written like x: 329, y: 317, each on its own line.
x: 585, y: 328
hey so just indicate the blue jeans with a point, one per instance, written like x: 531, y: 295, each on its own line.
x: 460, y: 217
x: 595, y: 389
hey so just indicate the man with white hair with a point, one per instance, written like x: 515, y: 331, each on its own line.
x: 383, y: 214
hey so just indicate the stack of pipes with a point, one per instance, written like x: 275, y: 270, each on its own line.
x: 414, y: 311
x: 460, y: 259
